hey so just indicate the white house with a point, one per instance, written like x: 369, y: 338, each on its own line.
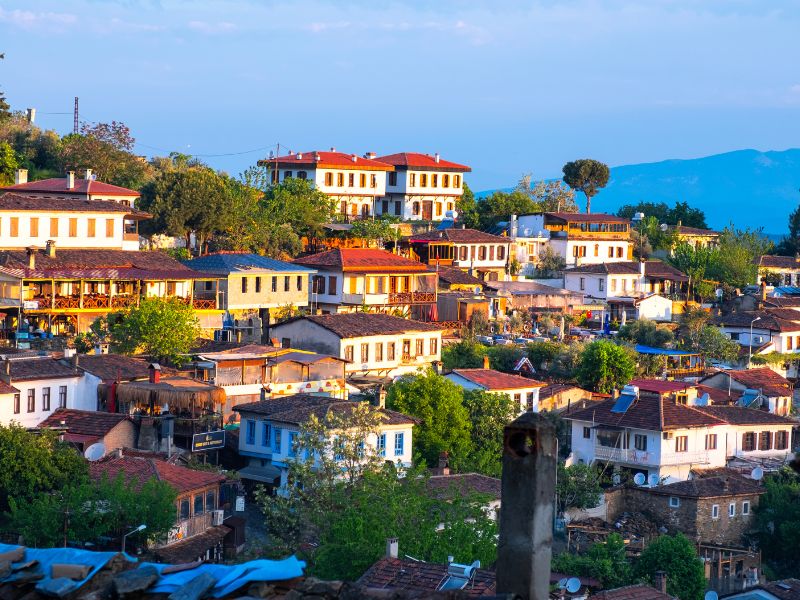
x: 481, y: 254
x: 522, y: 391
x: 624, y: 279
x: 665, y: 440
x: 269, y: 431
x: 353, y: 181
x: 651, y: 306
x: 764, y: 331
x: 34, y: 387
x: 787, y: 268
x: 70, y: 187
x: 421, y: 187
x: 372, y: 343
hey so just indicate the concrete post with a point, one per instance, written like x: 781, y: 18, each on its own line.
x: 527, y: 507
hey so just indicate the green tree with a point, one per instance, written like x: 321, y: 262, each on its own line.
x: 34, y: 464
x: 677, y: 557
x: 467, y: 209
x: 777, y: 523
x: 692, y: 323
x: 542, y: 354
x: 695, y: 262
x: 737, y: 258
x: 715, y: 344
x: 790, y: 245
x: 185, y: 202
x: 8, y: 163
x: 444, y: 420
x: 5, y: 109
x: 504, y: 358
x: 605, y: 366
x: 606, y: 561
x: 647, y: 333
x: 681, y: 212
x: 489, y: 414
x: 587, y: 176
x: 163, y: 329
x: 550, y: 263
x: 36, y: 150
x: 549, y: 196
x: 298, y: 204
x: 577, y: 486
x: 499, y: 206
x: 651, y: 232
x: 465, y: 354
x: 376, y: 230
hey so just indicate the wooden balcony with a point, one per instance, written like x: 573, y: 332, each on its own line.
x: 96, y: 301
x: 412, y: 297
x: 124, y: 301
x: 187, y: 528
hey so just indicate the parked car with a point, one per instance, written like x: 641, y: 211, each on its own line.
x: 524, y: 341
x: 485, y: 339
x: 502, y: 341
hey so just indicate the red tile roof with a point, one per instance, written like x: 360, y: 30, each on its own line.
x: 13, y: 201
x: 5, y: 388
x: 779, y: 262
x: 660, y: 386
x: 350, y: 325
x: 717, y: 396
x: 298, y: 408
x: 740, y: 415
x: 84, y: 422
x: 785, y: 589
x: 361, y: 259
x: 766, y: 380
x: 654, y: 269
x: 492, y: 380
x: 113, y: 367
x: 460, y: 236
x: 140, y: 470
x: 421, y: 577
x: 684, y: 230
x: 58, y: 185
x: 463, y: 484
x: 632, y: 592
x: 40, y: 367
x: 710, y: 487
x: 422, y: 162
x: 320, y: 158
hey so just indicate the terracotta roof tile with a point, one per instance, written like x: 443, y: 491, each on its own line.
x: 20, y: 202
x: 31, y: 369
x: 228, y: 262
x: 422, y: 162
x: 764, y: 379
x: 58, y: 185
x: 766, y: 320
x: 84, y: 422
x: 785, y: 589
x: 587, y: 218
x: 187, y: 550
x: 652, y: 269
x: 459, y: 236
x: 710, y: 487
x: 632, y: 592
x: 113, y: 367
x: 463, y: 484
x: 740, y: 415
x: 298, y: 408
x: 491, y: 380
x: 141, y: 470
x: 361, y: 259
x: 349, y: 325
x: 551, y: 389
x: 660, y: 386
x: 779, y: 262
x: 685, y: 230
x: 421, y: 577
x: 455, y: 276
x: 339, y: 160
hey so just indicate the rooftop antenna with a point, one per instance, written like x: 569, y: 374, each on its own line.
x: 75, y: 117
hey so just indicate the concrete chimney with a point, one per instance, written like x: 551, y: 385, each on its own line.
x: 30, y: 114
x: 7, y: 367
x: 354, y: 158
x: 50, y: 248
x: 154, y: 370
x: 381, y: 397
x: 20, y: 176
x: 660, y: 581
x: 32, y: 257
x: 370, y: 155
x: 436, y: 157
x: 486, y: 362
x: 642, y: 278
x: 75, y: 361
x: 514, y: 228
x: 87, y: 175
x: 392, y: 548
x: 527, y: 496
x: 71, y: 180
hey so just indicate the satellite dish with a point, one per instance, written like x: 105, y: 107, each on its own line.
x: 616, y: 479
x: 654, y: 479
x: 527, y: 232
x: 562, y: 583
x: 573, y: 585
x: 663, y: 227
x: 478, y: 289
x: 639, y: 479
x: 711, y: 595
x: 757, y: 473
x: 95, y: 452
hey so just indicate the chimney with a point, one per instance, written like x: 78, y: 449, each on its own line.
x: 154, y: 370
x: 50, y: 248
x: 71, y: 180
x: 75, y: 361
x: 354, y: 158
x: 381, y: 397
x: 87, y: 175
x: 763, y: 291
x: 7, y: 369
x: 486, y: 362
x: 20, y: 176
x: 642, y: 278
x: 32, y: 257
x: 391, y: 548
x: 30, y: 114
x: 526, y: 521
x: 513, y: 229
x: 333, y: 149
x: 436, y: 157
x: 370, y: 155
x: 443, y: 467
x: 299, y: 156
x: 660, y: 581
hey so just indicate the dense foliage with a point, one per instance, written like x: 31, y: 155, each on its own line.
x: 681, y: 213
x: 604, y: 366
x: 777, y: 523
x: 605, y: 561
x: 648, y: 333
x: 677, y: 557
x: 577, y: 486
x: 488, y: 415
x: 588, y: 176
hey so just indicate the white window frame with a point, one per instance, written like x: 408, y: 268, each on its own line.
x: 732, y: 510
x: 715, y: 511
x: 674, y: 502
x: 745, y: 507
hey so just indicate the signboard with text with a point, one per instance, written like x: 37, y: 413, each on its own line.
x: 210, y: 440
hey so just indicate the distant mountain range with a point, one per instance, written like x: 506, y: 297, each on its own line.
x: 748, y: 187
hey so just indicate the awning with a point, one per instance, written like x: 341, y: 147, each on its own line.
x: 266, y: 474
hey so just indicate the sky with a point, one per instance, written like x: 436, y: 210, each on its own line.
x: 508, y: 87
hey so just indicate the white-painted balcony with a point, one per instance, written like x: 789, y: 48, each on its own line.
x: 643, y: 457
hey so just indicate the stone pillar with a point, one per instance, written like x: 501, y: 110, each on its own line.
x: 527, y: 507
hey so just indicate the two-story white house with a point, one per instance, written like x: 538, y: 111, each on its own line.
x: 630, y: 279
x: 481, y: 254
x: 372, y: 343
x: 34, y: 387
x: 353, y: 181
x: 70, y: 187
x: 421, y: 187
x: 763, y: 331
x: 270, y: 428
x: 357, y: 279
x: 523, y: 392
x: 665, y: 440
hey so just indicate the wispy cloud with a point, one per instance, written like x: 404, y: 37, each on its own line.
x: 212, y: 28
x: 32, y: 20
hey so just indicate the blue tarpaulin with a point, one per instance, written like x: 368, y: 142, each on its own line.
x: 641, y: 349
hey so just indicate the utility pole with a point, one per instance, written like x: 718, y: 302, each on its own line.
x: 75, y: 117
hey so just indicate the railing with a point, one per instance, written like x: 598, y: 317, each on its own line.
x: 95, y: 301
x: 123, y: 301
x: 687, y: 372
x: 67, y: 302
x: 411, y: 297
x: 353, y: 299
x: 224, y: 379
x: 186, y: 528
x: 204, y: 303
x: 643, y: 457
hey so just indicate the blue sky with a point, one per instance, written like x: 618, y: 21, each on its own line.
x: 507, y: 87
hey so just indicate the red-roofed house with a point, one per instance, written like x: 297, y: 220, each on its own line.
x: 774, y: 390
x: 87, y: 188
x: 86, y: 427
x: 522, y: 391
x: 481, y: 254
x: 353, y: 181
x: 421, y: 187
x: 348, y: 279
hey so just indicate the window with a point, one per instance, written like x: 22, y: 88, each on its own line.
x: 16, y: 404
x: 198, y: 505
x: 211, y: 503
x: 597, y: 249
x: 711, y: 441
x: 413, y: 179
x: 445, y: 180
x: 378, y: 352
x: 438, y: 209
x: 381, y: 446
x: 54, y: 227
x: 501, y: 253
x: 790, y: 343
x: 640, y: 442
x: 332, y: 284
x: 91, y: 227
x: 456, y: 181
x: 185, y: 508
x: 434, y: 346
x: 251, y: 432
x: 299, y: 284
x: 399, y: 443
x: 423, y: 180
x: 14, y: 226
x: 73, y: 227
x: 732, y: 509
x: 266, y: 434
x: 31, y: 400
x: 351, y: 180
x: 35, y: 227
x: 674, y: 502
x: 781, y: 440
x: 62, y: 396
x: 613, y: 285
x: 682, y: 398
x: 390, y: 351
x: 765, y: 440
x: 364, y: 353
x: 749, y: 441
x: 481, y: 252
x: 587, y: 433
x: 715, y: 511
x: 420, y: 347
x: 286, y: 342
x: 415, y: 208
x: 619, y: 252
x: 373, y: 181
x: 362, y: 180
x: 348, y: 353
x: 209, y: 286
x: 435, y: 180
x: 462, y: 253
x: 610, y: 252
x: 293, y: 443
x: 287, y: 174
x: 109, y: 228
x: 340, y: 179
x: 286, y: 283
x: 582, y: 283
x: 393, y: 178
x: 746, y: 507
x: 328, y: 178
x: 258, y: 285
x: 244, y: 285
x: 46, y: 398
x: 681, y: 443
x: 529, y: 401
x: 276, y: 440
x: 601, y: 284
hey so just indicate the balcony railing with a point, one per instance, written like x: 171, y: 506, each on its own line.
x: 643, y: 457
x: 412, y: 297
x: 186, y: 528
x: 124, y: 301
x: 96, y: 301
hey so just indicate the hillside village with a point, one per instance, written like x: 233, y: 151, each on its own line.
x: 321, y: 358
